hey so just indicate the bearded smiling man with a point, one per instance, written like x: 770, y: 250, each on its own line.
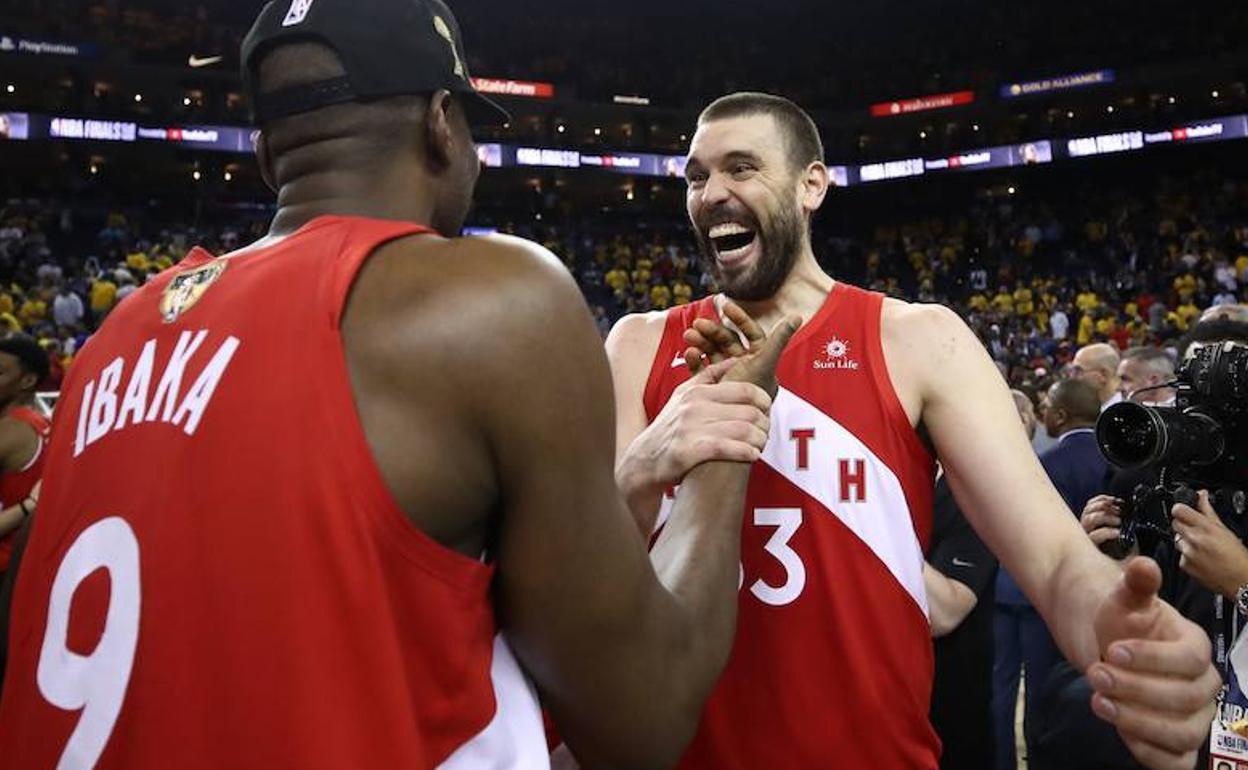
x: 832, y: 662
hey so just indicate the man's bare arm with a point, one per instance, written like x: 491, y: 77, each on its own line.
x: 624, y: 657
x: 949, y: 601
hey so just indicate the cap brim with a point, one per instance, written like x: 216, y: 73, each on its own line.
x: 483, y: 111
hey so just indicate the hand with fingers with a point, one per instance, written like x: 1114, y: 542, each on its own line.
x: 1156, y: 681
x: 1101, y: 519
x: 721, y: 413
x: 1209, y: 551
x: 712, y: 343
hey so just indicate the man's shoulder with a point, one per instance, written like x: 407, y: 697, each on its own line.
x: 637, y: 336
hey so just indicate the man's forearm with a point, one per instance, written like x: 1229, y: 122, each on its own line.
x: 697, y: 558
x: 641, y: 494
x: 1068, y: 601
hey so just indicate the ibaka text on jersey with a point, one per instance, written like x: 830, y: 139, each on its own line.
x: 107, y: 406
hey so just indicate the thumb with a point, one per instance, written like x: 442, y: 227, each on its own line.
x: 714, y: 373
x: 778, y: 340
x: 1141, y: 580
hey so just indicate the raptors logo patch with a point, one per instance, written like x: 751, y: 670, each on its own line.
x: 186, y: 288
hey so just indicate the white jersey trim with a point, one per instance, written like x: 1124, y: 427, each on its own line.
x: 515, y: 738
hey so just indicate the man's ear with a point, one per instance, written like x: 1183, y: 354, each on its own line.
x: 264, y: 160
x: 815, y: 181
x: 439, y: 130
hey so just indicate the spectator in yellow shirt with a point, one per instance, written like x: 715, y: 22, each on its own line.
x: 660, y: 296
x: 103, y: 295
x: 682, y: 293
x: 1023, y: 304
x: 1087, y: 300
x: 617, y: 278
x: 1086, y: 326
x: 33, y: 311
x: 1004, y: 301
x: 1187, y: 311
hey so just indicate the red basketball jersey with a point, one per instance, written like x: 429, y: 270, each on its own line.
x: 218, y: 576
x: 832, y: 663
x: 16, y: 486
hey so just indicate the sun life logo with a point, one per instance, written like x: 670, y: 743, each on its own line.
x: 836, y: 356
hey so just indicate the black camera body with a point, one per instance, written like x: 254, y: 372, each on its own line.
x: 1199, y: 443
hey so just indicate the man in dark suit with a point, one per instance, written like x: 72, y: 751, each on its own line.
x: 1079, y: 472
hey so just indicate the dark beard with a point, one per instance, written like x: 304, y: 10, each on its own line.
x: 778, y: 243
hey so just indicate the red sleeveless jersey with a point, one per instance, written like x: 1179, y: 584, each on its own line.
x: 16, y: 486
x: 218, y: 576
x: 832, y: 662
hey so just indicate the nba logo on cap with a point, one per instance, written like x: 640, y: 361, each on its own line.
x: 297, y: 13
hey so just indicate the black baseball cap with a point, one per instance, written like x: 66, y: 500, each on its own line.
x: 387, y: 47
x: 25, y: 349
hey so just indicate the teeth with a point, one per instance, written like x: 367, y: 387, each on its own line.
x: 728, y: 228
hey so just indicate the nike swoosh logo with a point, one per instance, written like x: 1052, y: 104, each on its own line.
x: 960, y: 563
x: 206, y: 61
x: 679, y: 360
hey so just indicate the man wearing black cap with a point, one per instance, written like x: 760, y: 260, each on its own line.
x: 23, y: 430
x: 370, y: 447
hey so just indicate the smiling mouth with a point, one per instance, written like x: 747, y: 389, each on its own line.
x: 731, y: 240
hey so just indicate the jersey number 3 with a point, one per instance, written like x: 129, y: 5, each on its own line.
x: 786, y: 521
x: 94, y: 684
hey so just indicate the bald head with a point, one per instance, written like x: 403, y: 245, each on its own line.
x: 1230, y: 312
x: 1072, y: 404
x: 1097, y: 365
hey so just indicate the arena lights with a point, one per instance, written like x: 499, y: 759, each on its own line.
x: 975, y: 127
x: 1011, y: 189
x: 10, y: 88
x: 922, y: 134
x: 196, y: 175
x: 561, y: 128
x: 138, y: 98
x: 1070, y: 113
x: 186, y: 101
x: 597, y: 132
x: 1110, y: 109
x: 1214, y: 93
x: 1170, y: 100
x: 229, y: 177
x: 94, y: 169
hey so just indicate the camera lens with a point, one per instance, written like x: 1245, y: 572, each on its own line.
x: 1134, y: 436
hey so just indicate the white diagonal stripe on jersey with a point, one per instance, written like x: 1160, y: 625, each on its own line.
x: 882, y: 521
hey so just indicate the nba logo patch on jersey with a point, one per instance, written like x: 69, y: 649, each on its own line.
x: 186, y: 288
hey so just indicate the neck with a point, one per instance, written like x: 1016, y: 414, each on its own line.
x: 310, y: 189
x: 803, y: 292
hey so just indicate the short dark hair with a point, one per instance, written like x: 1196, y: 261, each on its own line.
x: 1079, y: 400
x: 29, y: 353
x: 801, y: 135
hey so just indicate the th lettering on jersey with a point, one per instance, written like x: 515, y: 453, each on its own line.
x: 108, y: 407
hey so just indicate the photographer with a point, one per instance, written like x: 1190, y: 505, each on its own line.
x: 1199, y: 544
